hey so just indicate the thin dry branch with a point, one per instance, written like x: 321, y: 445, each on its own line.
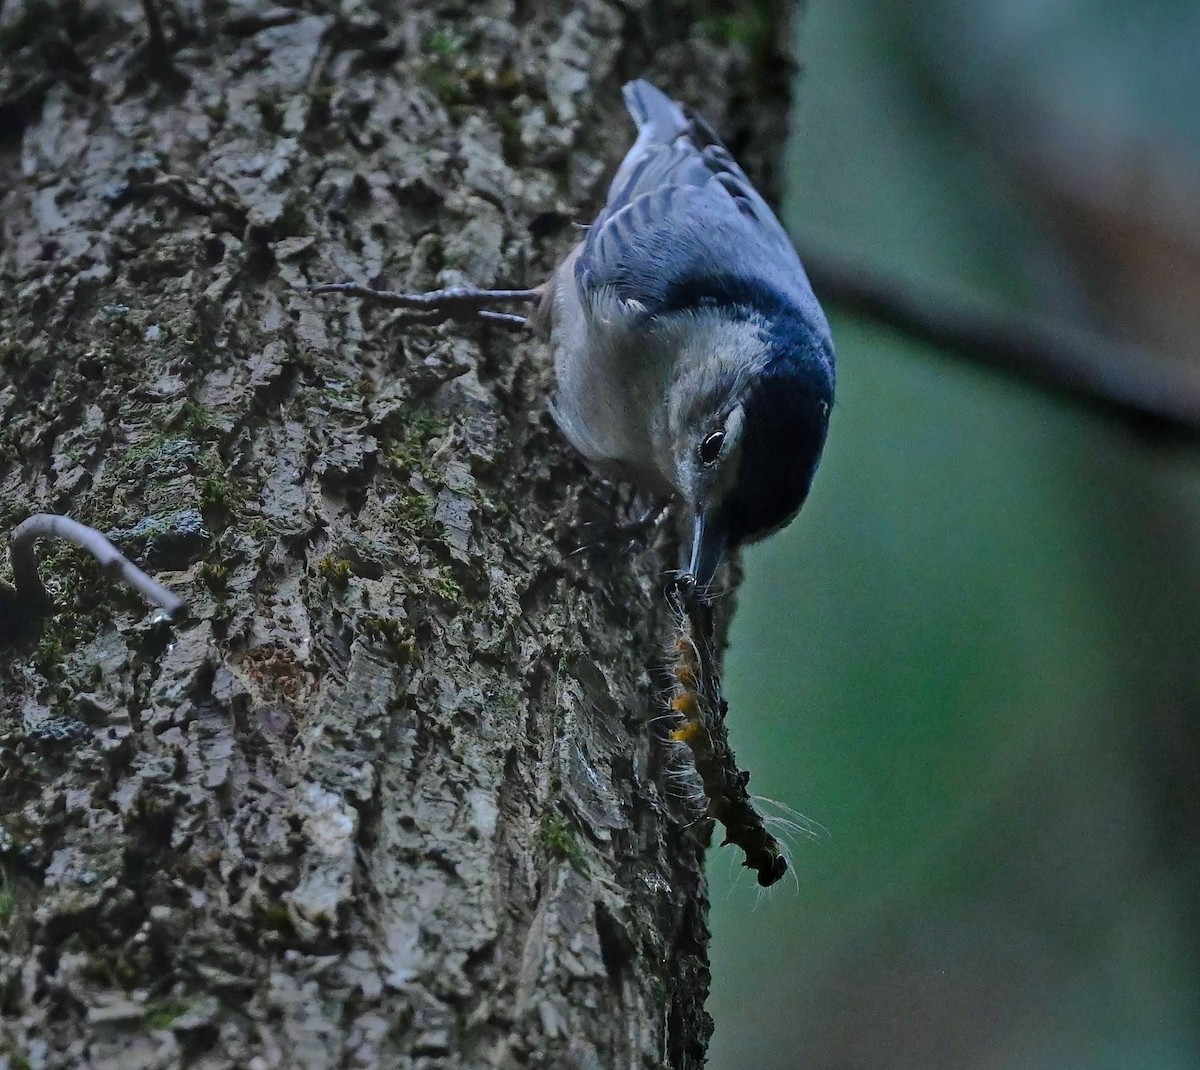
x: 31, y: 598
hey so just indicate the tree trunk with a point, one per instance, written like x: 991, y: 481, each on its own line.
x: 391, y: 795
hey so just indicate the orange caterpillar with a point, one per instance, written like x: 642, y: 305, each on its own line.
x: 685, y: 698
x: 699, y: 711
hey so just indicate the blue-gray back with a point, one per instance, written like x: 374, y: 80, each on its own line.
x: 683, y: 224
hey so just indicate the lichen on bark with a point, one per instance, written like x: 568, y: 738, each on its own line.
x: 391, y: 795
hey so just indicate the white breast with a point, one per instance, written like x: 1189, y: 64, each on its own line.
x: 612, y: 383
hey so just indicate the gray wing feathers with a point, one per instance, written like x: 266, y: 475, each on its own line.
x: 659, y: 121
x: 680, y: 206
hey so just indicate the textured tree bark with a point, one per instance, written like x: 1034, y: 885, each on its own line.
x: 392, y: 794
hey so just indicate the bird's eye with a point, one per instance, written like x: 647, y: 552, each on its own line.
x: 710, y: 448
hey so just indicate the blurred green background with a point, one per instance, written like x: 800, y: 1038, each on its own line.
x: 973, y: 657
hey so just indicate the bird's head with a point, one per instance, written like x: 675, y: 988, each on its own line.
x: 748, y: 420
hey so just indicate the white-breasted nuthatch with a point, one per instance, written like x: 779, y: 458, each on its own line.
x: 691, y: 355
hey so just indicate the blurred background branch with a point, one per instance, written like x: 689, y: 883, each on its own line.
x: 1117, y: 379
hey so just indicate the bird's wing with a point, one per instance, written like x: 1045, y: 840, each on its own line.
x: 682, y: 214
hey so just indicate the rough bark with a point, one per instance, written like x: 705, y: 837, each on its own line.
x: 392, y: 794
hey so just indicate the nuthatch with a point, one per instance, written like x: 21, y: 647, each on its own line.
x: 691, y: 355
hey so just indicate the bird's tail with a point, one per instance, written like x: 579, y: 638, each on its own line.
x: 659, y: 119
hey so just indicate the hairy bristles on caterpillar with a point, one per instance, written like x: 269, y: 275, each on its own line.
x: 687, y: 732
x: 685, y: 674
x: 789, y: 818
x: 685, y: 703
x: 670, y: 715
x: 712, y: 779
x: 684, y: 783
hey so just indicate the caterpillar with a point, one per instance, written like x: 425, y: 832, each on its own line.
x: 698, y: 711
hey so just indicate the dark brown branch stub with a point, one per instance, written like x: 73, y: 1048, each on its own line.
x: 31, y: 598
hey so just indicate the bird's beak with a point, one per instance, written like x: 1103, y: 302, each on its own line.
x: 709, y: 543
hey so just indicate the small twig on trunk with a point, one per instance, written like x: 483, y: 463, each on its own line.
x: 31, y: 598
x: 437, y: 306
